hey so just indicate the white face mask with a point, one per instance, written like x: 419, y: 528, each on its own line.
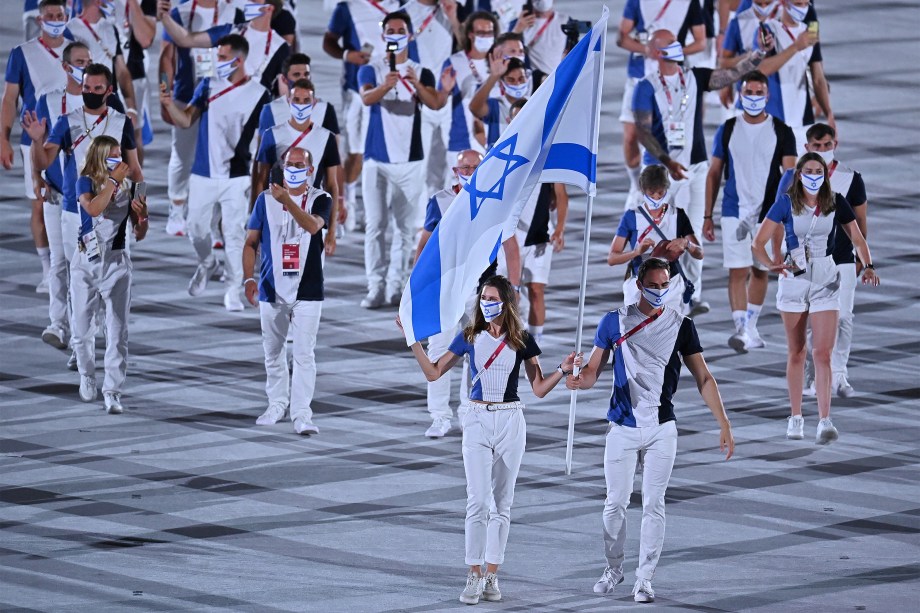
x: 490, y: 310
x: 516, y: 91
x: 798, y: 14
x: 764, y: 11
x: 111, y: 163
x: 301, y: 112
x: 295, y: 177
x: 673, y: 52
x: 76, y: 73
x: 812, y: 183
x: 401, y: 40
x: 827, y: 155
x: 225, y: 69
x: 654, y: 297
x: 656, y: 204
x: 251, y: 11
x: 54, y: 29
x: 463, y: 179
x: 753, y: 105
x: 542, y: 5
x: 483, y: 43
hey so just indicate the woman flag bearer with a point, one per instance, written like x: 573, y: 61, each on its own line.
x: 101, y: 268
x: 809, y: 285
x: 494, y: 431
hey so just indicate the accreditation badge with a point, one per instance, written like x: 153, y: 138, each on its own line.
x: 290, y: 259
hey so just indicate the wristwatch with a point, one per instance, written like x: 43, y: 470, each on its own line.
x: 562, y: 372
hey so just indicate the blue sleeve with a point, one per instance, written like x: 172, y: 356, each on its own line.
x: 632, y: 11
x: 84, y: 186
x: 717, y: 150
x: 174, y: 13
x: 459, y: 346
x: 627, y: 224
x: 785, y: 182
x: 643, y: 97
x: 15, y: 67
x: 608, y: 331
x: 781, y: 210
x: 494, y: 114
x: 267, y: 153
x: 733, y: 40
x: 340, y: 21
x: 432, y: 215
x: 447, y: 64
x: 257, y: 219
x: 200, y: 97
x: 60, y: 133
x: 266, y: 119
x: 367, y: 76
x: 218, y: 32
x: 41, y: 109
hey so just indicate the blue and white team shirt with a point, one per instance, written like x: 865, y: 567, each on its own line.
x: 499, y: 383
x: 434, y: 37
x: 844, y: 181
x: 194, y: 18
x: 279, y: 111
x: 437, y: 206
x: 111, y: 224
x: 319, y: 141
x: 228, y: 123
x: 497, y: 118
x: 267, y: 51
x: 277, y: 228
x: 50, y: 107
x: 646, y: 366
x: 36, y: 69
x: 470, y: 75
x: 676, y: 16
x: 752, y: 163
x: 545, y: 42
x: 79, y: 128
x: 394, y: 129
x: 357, y: 23
x: 822, y: 239
x: 633, y: 226
x: 686, y: 91
x: 101, y: 37
x: 743, y: 36
x: 793, y: 79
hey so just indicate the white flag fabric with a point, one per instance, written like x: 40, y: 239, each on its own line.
x: 552, y: 139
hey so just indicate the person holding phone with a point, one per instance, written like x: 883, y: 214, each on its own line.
x: 286, y: 225
x: 101, y: 268
x: 494, y: 431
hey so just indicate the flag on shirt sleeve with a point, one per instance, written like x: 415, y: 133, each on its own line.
x: 552, y: 139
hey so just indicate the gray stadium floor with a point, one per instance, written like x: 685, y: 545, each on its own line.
x: 183, y: 504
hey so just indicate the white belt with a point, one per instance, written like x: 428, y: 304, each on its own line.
x: 498, y: 406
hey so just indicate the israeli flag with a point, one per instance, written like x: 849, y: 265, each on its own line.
x: 552, y: 139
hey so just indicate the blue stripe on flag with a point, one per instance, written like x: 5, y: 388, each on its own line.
x: 425, y: 287
x: 564, y: 80
x: 574, y: 157
x: 498, y: 245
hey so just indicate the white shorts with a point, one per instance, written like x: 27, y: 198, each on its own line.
x: 355, y: 129
x: 626, y: 114
x: 141, y: 93
x: 536, y: 261
x: 815, y: 291
x: 737, y: 253
x: 27, y: 171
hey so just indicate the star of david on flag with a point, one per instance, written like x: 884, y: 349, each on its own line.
x: 553, y: 139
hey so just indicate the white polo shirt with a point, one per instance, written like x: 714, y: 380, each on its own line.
x: 319, y: 141
x: 434, y: 38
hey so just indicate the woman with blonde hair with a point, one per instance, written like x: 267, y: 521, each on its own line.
x: 494, y: 431
x: 101, y: 268
x: 810, y: 214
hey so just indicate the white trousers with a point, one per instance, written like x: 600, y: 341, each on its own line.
x: 405, y: 183
x: 439, y: 391
x: 70, y: 233
x: 690, y: 195
x: 493, y: 446
x: 281, y: 386
x: 435, y: 126
x: 181, y: 157
x: 659, y: 447
x: 231, y: 195
x: 108, y: 279
x: 58, y: 273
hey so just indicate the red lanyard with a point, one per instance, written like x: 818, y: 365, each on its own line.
x: 667, y: 92
x: 49, y: 49
x: 297, y: 140
x: 651, y: 318
x: 543, y: 29
x: 268, y: 40
x: 831, y: 169
x: 788, y: 31
x: 656, y: 220
x: 428, y: 19
x: 661, y: 13
x: 473, y: 69
x: 406, y: 85
x: 99, y: 119
x: 378, y: 7
x: 191, y: 15
x: 91, y: 30
x: 228, y: 89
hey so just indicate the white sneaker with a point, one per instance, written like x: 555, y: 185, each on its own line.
x: 439, y: 427
x: 55, y: 336
x: 302, y: 425
x: 113, y: 403
x: 490, y: 591
x: 473, y: 590
x: 272, y: 415
x: 202, y: 276
x: 754, y: 341
x: 643, y: 592
x: 87, y: 388
x: 795, y: 429
x: 738, y: 341
x: 232, y: 301
x: 826, y: 433
x: 844, y: 389
x: 72, y: 361
x: 42, y: 287
x: 609, y: 580
x: 373, y: 300
x: 175, y: 224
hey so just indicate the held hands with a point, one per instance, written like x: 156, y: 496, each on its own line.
x: 33, y: 126
x: 120, y: 173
